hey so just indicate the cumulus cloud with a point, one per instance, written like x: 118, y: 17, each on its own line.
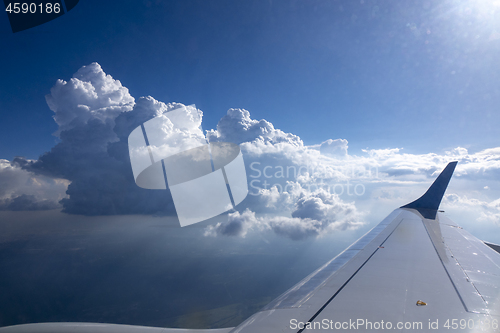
x: 337, y: 147
x: 89, y: 94
x: 238, y: 224
x: 295, y: 209
x: 24, y: 190
x: 237, y: 126
x: 312, y: 214
x: 95, y: 116
x: 487, y: 211
x: 26, y: 202
x: 316, y: 213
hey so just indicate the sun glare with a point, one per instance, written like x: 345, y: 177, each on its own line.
x: 479, y: 20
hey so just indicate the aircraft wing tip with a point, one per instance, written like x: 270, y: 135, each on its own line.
x: 432, y: 198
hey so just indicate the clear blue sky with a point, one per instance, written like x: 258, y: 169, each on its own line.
x: 422, y: 75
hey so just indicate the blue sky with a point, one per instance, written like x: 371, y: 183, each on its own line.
x: 419, y: 75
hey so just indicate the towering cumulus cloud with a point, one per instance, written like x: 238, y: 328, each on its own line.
x: 95, y: 114
x: 296, y: 190
x: 89, y: 95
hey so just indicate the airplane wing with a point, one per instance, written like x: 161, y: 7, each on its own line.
x: 415, y: 271
x: 100, y: 328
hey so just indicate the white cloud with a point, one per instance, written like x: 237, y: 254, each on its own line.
x: 292, y: 180
x: 316, y: 213
x: 23, y: 190
x: 337, y: 147
x: 89, y: 94
x: 310, y: 214
x: 95, y: 114
x: 484, y: 210
x: 237, y: 225
x: 237, y: 126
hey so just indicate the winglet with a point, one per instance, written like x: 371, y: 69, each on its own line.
x: 428, y: 203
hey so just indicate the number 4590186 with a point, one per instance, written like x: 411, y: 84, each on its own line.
x: 33, y: 8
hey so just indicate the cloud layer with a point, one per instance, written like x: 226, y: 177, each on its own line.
x: 312, y: 214
x: 24, y: 190
x: 297, y: 191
